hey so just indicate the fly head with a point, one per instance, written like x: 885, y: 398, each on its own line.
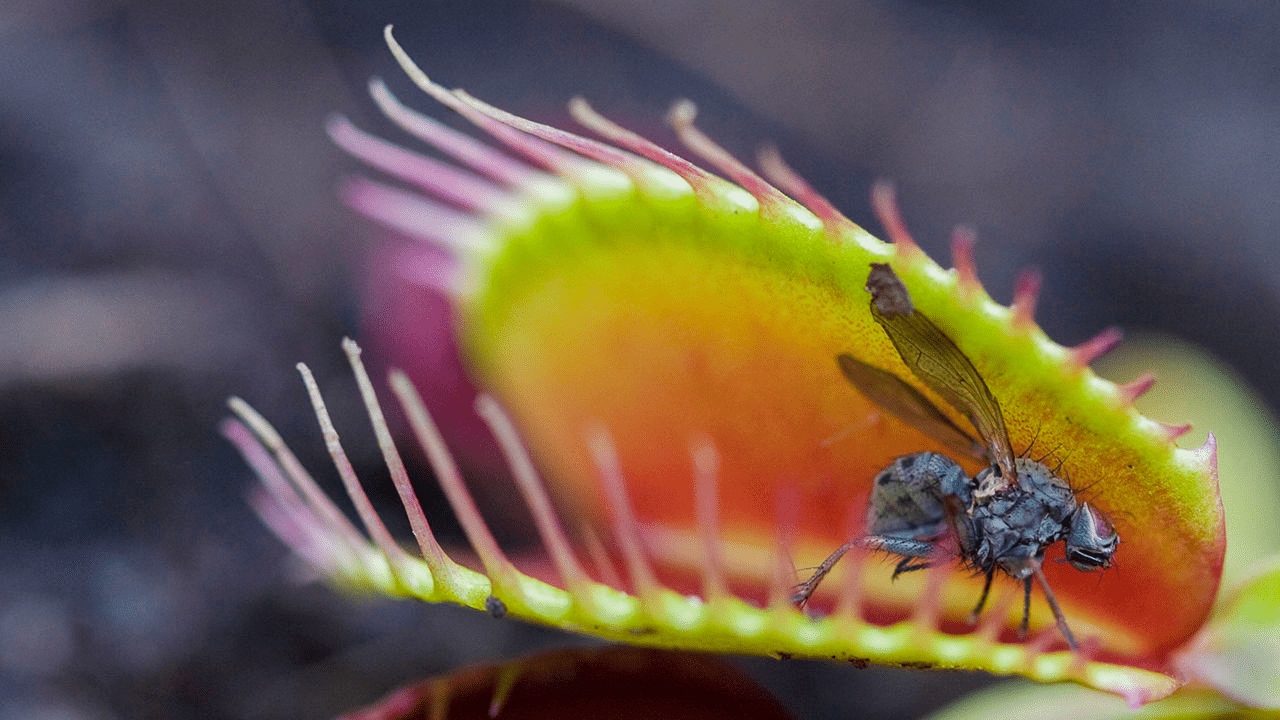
x: 1092, y: 540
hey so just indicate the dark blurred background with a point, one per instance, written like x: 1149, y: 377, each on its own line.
x: 169, y: 236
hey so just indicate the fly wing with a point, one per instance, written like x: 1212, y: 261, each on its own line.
x: 939, y: 364
x: 894, y: 395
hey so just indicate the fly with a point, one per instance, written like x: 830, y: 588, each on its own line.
x: 1003, y: 518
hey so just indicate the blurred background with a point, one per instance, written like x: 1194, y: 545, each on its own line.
x: 169, y: 236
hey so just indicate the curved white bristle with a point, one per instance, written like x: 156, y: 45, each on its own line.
x: 439, y: 179
x: 626, y: 528
x: 1137, y: 387
x: 418, y: 217
x: 963, y: 238
x: 372, y: 523
x: 780, y: 173
x: 884, y: 202
x: 1026, y: 293
x: 535, y: 494
x: 1082, y: 355
x: 706, y: 466
x: 713, y: 192
x: 496, y: 565
x: 482, y: 158
x: 432, y: 553
x: 773, y: 203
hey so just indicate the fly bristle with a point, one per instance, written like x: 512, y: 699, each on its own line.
x: 1031, y: 445
x: 884, y: 203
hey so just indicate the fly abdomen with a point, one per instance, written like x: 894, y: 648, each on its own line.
x: 909, y: 497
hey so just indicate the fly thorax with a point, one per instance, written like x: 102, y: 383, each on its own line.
x: 1048, y: 490
x: 1034, y: 474
x: 1017, y: 525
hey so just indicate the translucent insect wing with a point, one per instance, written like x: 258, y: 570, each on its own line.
x: 896, y: 396
x: 935, y: 359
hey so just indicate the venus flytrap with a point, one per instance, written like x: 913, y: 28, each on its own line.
x: 665, y: 341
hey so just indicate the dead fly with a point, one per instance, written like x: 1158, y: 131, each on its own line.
x: 1006, y: 516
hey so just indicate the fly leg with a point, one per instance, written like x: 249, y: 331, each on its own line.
x: 982, y: 599
x: 911, y: 550
x: 806, y: 589
x: 1053, y: 605
x: 1026, y: 608
x: 910, y: 564
x: 906, y: 547
x: 916, y: 554
x: 1037, y: 575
